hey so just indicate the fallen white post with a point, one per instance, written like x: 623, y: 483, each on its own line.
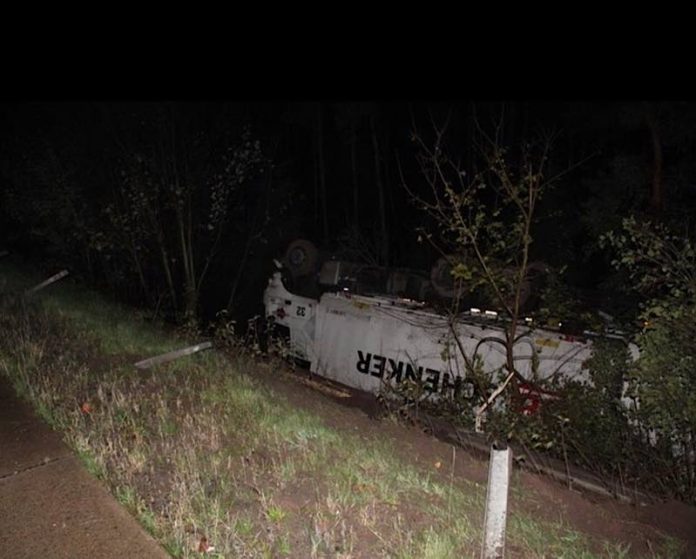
x: 499, y: 469
x: 49, y: 281
x: 165, y: 357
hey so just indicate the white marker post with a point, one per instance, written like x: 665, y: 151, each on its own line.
x: 499, y: 469
x: 166, y: 357
x: 49, y: 281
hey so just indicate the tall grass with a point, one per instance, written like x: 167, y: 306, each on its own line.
x: 202, y: 448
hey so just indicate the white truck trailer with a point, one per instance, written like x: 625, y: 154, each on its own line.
x: 369, y: 341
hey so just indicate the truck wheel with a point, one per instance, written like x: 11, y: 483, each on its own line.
x: 441, y: 276
x: 301, y: 257
x: 533, y: 284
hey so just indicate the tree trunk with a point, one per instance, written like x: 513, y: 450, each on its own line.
x: 139, y: 269
x: 384, y: 241
x: 354, y: 169
x: 167, y: 268
x: 315, y: 166
x: 183, y: 217
x: 470, y: 133
x: 240, y: 271
x: 322, y: 172
x: 190, y: 290
x: 656, y: 190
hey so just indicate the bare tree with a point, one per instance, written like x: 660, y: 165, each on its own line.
x: 485, y: 218
x: 162, y: 207
x: 657, y: 187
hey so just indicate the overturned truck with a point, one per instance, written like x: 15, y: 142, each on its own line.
x: 369, y: 329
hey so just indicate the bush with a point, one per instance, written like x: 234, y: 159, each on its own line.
x: 585, y: 425
x: 664, y: 385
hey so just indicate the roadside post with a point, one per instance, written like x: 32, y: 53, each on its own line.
x: 49, y: 281
x: 170, y: 356
x: 495, y: 520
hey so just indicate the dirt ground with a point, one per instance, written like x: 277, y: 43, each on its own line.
x: 48, y: 516
x: 595, y: 515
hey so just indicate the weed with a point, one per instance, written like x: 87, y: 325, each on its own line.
x: 201, y: 447
x: 283, y: 546
x: 275, y: 514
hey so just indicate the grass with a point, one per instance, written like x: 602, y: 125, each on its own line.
x: 201, y: 448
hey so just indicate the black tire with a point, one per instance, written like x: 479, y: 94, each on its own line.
x: 441, y: 277
x: 301, y: 257
x: 533, y: 284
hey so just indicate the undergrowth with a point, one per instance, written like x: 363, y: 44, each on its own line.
x: 207, y: 456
